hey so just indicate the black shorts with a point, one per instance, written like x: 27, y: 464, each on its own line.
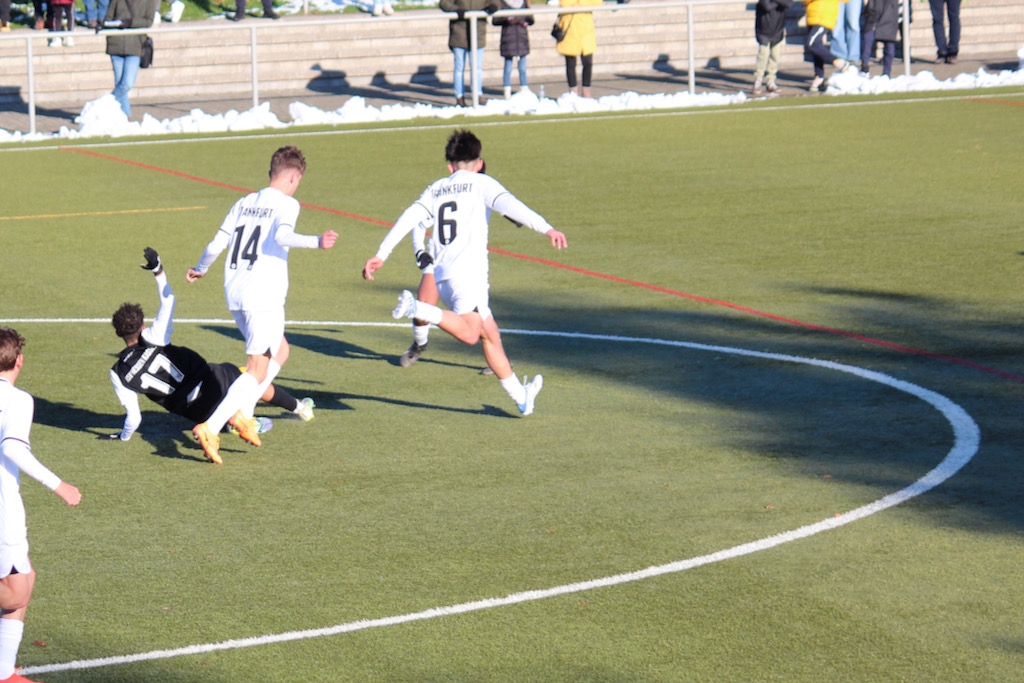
x: 212, y: 392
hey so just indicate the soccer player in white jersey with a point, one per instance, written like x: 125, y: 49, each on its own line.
x: 457, y: 206
x: 258, y: 232
x: 17, y: 578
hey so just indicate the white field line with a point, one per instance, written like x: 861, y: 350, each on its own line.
x: 513, y: 121
x: 967, y: 438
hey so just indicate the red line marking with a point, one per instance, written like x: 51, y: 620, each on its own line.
x: 990, y: 101
x: 610, y: 278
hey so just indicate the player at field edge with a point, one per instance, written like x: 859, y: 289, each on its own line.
x: 458, y: 207
x: 174, y: 377
x: 17, y: 578
x: 258, y: 232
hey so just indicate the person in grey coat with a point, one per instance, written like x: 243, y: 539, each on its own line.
x: 880, y: 21
x: 125, y: 50
x: 515, y: 42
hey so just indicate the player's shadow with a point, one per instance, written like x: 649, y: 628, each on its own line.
x: 485, y: 410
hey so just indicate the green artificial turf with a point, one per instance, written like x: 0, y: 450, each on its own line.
x: 769, y: 230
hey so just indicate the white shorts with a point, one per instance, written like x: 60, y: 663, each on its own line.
x: 14, y: 557
x: 263, y: 330
x: 465, y: 297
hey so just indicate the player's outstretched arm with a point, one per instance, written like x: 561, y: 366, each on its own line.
x: 70, y: 494
x: 557, y: 238
x: 328, y: 239
x: 372, y: 265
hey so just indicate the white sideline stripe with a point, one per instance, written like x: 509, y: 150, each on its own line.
x: 967, y: 437
x: 543, y: 118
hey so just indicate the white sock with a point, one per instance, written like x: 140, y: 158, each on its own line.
x: 272, y: 371
x: 11, y: 631
x: 428, y: 312
x: 515, y: 388
x: 244, y: 391
x: 420, y: 334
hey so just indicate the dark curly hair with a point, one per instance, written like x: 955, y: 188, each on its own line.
x: 127, y: 320
x: 11, y: 344
x: 462, y: 146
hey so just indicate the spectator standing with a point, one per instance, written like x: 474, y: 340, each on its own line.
x: 515, y: 43
x: 881, y: 23
x: 846, y: 35
x: 947, y: 49
x: 125, y: 50
x: 5, y: 16
x: 821, y: 19
x: 95, y: 10
x: 769, y: 30
x: 458, y: 43
x: 580, y: 41
x: 39, y: 7
x: 59, y: 11
x: 268, y: 10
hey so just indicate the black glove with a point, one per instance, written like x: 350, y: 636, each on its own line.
x: 491, y: 7
x: 109, y: 437
x: 152, y: 261
x: 423, y: 259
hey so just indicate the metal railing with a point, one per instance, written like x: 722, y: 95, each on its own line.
x: 475, y: 76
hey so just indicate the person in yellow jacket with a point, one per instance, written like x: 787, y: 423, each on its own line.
x: 821, y: 19
x: 579, y: 41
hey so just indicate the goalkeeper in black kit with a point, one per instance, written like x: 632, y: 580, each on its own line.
x: 174, y: 377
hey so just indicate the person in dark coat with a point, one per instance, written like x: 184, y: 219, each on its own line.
x: 125, y: 50
x: 515, y: 42
x: 769, y: 29
x: 458, y: 43
x: 880, y: 21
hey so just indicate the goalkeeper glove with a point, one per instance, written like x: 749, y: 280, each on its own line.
x: 423, y: 259
x: 152, y: 261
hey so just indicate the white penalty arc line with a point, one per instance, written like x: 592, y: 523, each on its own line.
x: 967, y: 438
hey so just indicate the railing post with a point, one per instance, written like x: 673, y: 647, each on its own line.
x: 255, y: 68
x: 474, y: 77
x: 906, y: 37
x: 31, y: 88
x: 690, y: 50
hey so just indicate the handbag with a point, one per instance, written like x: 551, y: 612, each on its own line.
x: 557, y: 32
x: 146, y: 59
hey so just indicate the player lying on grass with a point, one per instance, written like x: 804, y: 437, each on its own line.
x: 174, y: 377
x: 17, y: 577
x: 258, y: 233
x: 458, y: 207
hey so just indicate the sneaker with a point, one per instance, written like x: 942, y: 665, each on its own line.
x: 388, y: 9
x: 816, y: 84
x: 69, y: 42
x: 247, y: 428
x: 17, y: 678
x: 411, y: 355
x: 532, y: 389
x: 271, y: 14
x: 53, y: 42
x: 209, y: 441
x: 263, y: 425
x: 772, y: 87
x: 756, y: 90
x: 406, y: 307
x: 5, y: 28
x: 950, y: 59
x: 377, y: 11
x: 305, y: 409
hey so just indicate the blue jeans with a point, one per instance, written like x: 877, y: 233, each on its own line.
x: 507, y: 81
x: 846, y: 34
x: 460, y: 70
x: 96, y: 10
x: 126, y: 70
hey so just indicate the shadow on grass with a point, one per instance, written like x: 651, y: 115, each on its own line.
x: 816, y: 422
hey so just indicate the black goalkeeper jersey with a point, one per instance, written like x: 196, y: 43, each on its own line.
x: 165, y: 374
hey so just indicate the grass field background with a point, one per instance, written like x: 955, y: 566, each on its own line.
x: 418, y: 488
